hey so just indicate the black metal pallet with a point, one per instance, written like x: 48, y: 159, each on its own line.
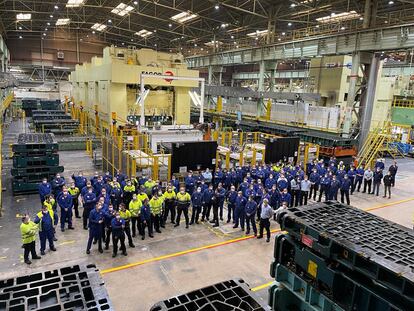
x: 24, y: 171
x: 232, y: 295
x: 52, y: 122
x: 47, y: 116
x: 350, y: 289
x: 69, y: 288
x: 21, y: 161
x: 48, y: 112
x: 375, y: 247
x: 35, y: 144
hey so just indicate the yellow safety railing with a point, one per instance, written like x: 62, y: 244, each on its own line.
x: 403, y: 103
x: 4, y: 106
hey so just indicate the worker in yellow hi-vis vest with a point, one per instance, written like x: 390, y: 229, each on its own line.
x: 183, y: 203
x: 28, y: 230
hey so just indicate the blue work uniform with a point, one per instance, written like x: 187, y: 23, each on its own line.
x: 46, y: 222
x: 66, y: 204
x: 239, y: 211
x: 251, y: 210
x: 44, y: 190
x: 95, y: 228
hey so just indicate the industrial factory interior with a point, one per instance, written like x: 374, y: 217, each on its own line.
x: 211, y: 155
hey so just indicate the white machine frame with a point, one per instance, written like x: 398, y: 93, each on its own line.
x: 146, y: 75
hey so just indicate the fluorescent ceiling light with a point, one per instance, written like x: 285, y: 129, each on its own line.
x: 339, y: 17
x: 98, y: 27
x: 213, y: 43
x: 23, y: 17
x: 183, y: 17
x: 74, y: 3
x: 258, y: 33
x: 122, y: 9
x: 143, y: 33
x: 62, y: 21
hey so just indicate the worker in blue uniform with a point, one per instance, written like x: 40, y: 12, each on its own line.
x: 196, y: 202
x: 231, y: 196
x: 109, y: 214
x: 314, y: 178
x: 217, y: 177
x: 45, y: 220
x: 239, y: 211
x: 244, y: 186
x: 65, y: 203
x: 57, y: 185
x: 270, y: 181
x: 325, y: 184
x: 96, y: 222
x: 116, y: 195
x: 221, y: 196
x: 351, y: 175
x: 207, y: 203
x: 189, y: 183
x: 80, y: 180
x: 118, y: 234
x: 145, y: 215
x: 285, y: 197
x: 346, y: 186
x: 333, y: 189
x: 89, y: 201
x: 282, y: 182
x: 44, y: 190
x: 251, y: 210
x: 359, y: 177
x: 174, y: 181
x: 378, y: 175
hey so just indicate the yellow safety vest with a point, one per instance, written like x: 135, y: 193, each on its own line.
x: 28, y: 232
x: 135, y: 207
x: 156, y: 205
x: 125, y: 215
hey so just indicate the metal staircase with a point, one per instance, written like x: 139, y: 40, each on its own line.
x: 379, y: 141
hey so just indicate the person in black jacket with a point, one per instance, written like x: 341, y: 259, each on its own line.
x: 377, y: 181
x: 393, y: 170
x: 118, y: 234
x: 388, y: 179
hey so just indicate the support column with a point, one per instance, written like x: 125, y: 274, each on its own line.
x: 220, y: 76
x: 272, y: 80
x: 260, y: 87
x: 271, y: 28
x: 368, y: 104
x: 210, y: 75
x: 367, y: 14
x: 353, y: 79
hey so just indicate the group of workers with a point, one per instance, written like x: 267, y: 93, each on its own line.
x: 122, y: 207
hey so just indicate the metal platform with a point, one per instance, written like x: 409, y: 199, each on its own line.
x: 232, y: 295
x: 69, y: 288
x: 357, y: 240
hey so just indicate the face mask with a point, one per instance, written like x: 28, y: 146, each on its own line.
x: 57, y: 176
x: 65, y: 193
x: 44, y: 212
x: 118, y: 217
x: 129, y: 184
x: 80, y: 175
x: 182, y: 192
x: 111, y: 210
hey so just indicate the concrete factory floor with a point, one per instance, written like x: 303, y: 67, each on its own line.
x: 178, y: 260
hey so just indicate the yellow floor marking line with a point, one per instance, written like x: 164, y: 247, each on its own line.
x: 185, y: 252
x: 3, y: 257
x: 67, y: 242
x: 388, y: 204
x: 260, y: 287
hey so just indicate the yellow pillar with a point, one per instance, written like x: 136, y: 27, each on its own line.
x: 254, y: 157
x: 113, y: 125
x: 66, y: 104
x: 219, y: 106
x: 228, y: 160
x: 268, y: 109
x: 241, y: 158
x: 169, y: 168
x: 155, y: 168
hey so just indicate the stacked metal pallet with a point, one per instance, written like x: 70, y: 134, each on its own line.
x: 232, y: 295
x: 29, y: 105
x: 54, y: 121
x: 34, y: 157
x: 50, y: 104
x: 69, y: 288
x: 337, y: 257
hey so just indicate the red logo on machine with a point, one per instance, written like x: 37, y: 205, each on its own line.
x: 169, y: 73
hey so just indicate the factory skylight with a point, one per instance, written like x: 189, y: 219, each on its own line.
x: 184, y: 17
x: 74, y: 3
x: 122, y: 9
x: 258, y: 33
x: 98, y: 27
x: 62, y: 21
x: 23, y: 17
x: 339, y: 17
x: 143, y: 33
